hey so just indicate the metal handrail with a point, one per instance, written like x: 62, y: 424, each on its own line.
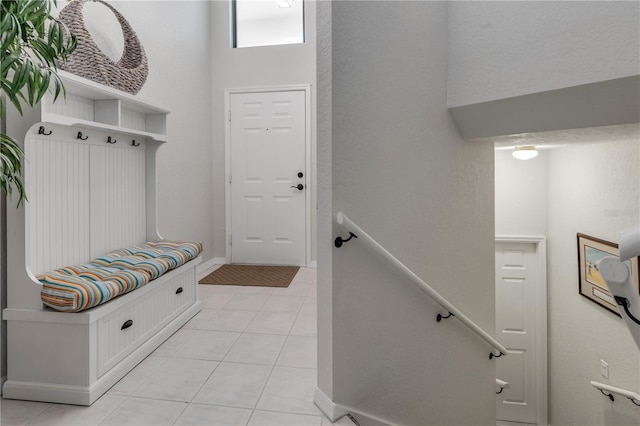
x: 632, y: 396
x: 344, y: 221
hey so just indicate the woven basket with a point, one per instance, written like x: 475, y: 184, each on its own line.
x: 128, y: 74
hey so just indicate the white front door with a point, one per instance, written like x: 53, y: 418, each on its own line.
x: 518, y: 302
x: 268, y: 177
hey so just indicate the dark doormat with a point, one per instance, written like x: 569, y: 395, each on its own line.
x: 252, y: 275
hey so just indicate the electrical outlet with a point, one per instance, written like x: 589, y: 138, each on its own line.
x: 604, y: 369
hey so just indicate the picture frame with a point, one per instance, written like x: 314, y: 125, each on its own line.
x: 590, y: 284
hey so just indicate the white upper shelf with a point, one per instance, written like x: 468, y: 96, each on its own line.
x: 95, y: 106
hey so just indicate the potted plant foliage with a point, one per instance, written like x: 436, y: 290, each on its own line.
x: 31, y: 41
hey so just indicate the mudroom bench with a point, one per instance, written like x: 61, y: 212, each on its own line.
x: 75, y: 357
x: 90, y: 175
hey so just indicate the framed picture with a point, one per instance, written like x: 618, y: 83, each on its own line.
x: 591, y: 285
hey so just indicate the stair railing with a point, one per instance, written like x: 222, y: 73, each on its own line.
x: 608, y: 391
x: 502, y: 385
x: 356, y: 232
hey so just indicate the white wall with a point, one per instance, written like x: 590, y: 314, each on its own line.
x: 401, y: 172
x: 3, y: 289
x: 593, y: 189
x: 504, y: 49
x: 551, y: 45
x: 177, y: 42
x: 521, y: 194
x: 254, y: 67
x: 325, y: 197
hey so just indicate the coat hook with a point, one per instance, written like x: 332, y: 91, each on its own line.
x: 492, y: 355
x: 610, y: 395
x: 82, y: 138
x: 440, y: 317
x: 134, y: 143
x: 42, y: 132
x: 340, y: 240
x: 109, y: 140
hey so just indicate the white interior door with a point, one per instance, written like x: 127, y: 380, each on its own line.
x: 268, y: 177
x: 518, y: 310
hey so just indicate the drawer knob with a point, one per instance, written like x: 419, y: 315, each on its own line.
x: 179, y: 290
x: 127, y: 324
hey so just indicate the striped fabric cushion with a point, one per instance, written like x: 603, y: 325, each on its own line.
x: 80, y: 287
x: 74, y: 293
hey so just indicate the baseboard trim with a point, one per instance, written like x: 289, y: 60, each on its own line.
x: 205, y: 268
x: 2, y: 380
x: 330, y: 409
x: 336, y: 411
x: 313, y: 264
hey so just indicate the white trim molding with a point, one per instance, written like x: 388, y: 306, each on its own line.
x: 330, y: 409
x: 205, y: 268
x: 541, y: 318
x: 306, y: 88
x: 336, y: 411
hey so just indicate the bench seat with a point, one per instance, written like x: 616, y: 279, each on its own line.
x: 80, y: 287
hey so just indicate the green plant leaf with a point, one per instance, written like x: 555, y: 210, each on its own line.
x: 7, y: 63
x: 31, y: 40
x: 11, y: 155
x: 44, y: 86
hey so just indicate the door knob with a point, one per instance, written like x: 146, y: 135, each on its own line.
x: 299, y: 186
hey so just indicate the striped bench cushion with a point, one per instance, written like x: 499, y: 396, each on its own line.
x: 80, y: 287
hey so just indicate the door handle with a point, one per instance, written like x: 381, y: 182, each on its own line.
x: 299, y: 186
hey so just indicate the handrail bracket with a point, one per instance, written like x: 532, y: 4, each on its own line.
x: 339, y: 240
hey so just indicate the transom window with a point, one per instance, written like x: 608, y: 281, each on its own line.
x: 267, y: 22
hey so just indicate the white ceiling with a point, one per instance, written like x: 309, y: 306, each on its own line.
x: 562, y: 138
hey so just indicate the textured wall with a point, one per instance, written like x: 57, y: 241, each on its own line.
x: 504, y: 49
x: 325, y: 198
x: 593, y: 189
x: 255, y: 67
x: 402, y: 173
x: 521, y: 194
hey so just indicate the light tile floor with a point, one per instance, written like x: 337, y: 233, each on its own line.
x: 248, y: 358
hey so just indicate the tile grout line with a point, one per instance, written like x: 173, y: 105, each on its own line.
x: 271, y: 372
x: 145, y: 380
x: 114, y: 409
x: 307, y: 300
x: 198, y: 391
x: 51, y: 405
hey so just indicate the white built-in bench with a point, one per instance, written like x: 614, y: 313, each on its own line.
x: 87, y: 196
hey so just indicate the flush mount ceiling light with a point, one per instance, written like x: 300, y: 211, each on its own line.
x: 525, y: 152
x: 284, y: 3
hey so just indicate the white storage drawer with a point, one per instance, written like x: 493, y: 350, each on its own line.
x: 122, y: 331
